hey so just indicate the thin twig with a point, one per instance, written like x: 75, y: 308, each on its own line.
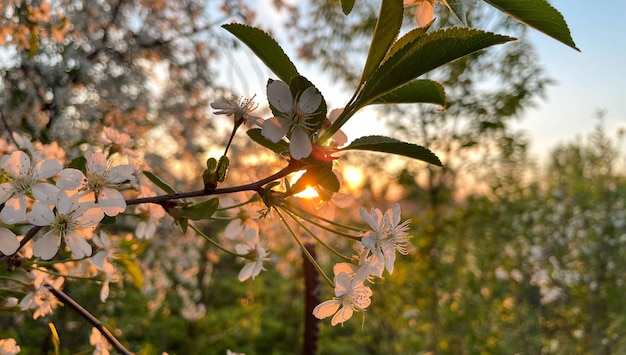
x: 68, y: 301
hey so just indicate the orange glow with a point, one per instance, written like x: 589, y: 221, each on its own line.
x: 353, y: 176
x: 309, y: 192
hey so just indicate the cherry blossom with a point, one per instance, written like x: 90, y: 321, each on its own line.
x: 67, y: 216
x: 40, y: 298
x: 25, y: 180
x: 350, y: 295
x: 386, y: 236
x: 294, y: 117
x: 149, y: 216
x: 9, y: 347
x: 101, y: 344
x: 255, y: 255
x: 238, y: 109
x: 120, y: 142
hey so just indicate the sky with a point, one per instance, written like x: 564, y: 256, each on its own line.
x: 585, y: 82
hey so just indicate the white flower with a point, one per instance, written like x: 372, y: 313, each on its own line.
x: 101, y: 179
x: 100, y: 343
x: 425, y: 11
x: 149, y: 214
x: 8, y: 242
x: 245, y: 219
x: 350, y: 295
x: 41, y: 299
x: 239, y: 109
x: 23, y: 180
x: 68, y: 216
x: 387, y: 236
x: 255, y: 255
x: 294, y: 117
x: 9, y: 347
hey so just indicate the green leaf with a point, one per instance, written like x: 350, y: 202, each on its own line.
x: 132, y: 269
x: 385, y: 33
x: 266, y: 48
x: 256, y: 135
x: 394, y: 146
x: 202, y: 210
x: 416, y: 91
x: 423, y: 54
x: 158, y: 182
x: 79, y: 163
x: 346, y: 6
x: 538, y: 14
x: 318, y: 175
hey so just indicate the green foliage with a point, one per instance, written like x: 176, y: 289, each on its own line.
x: 393, y: 146
x: 416, y: 91
x: 202, y: 210
x: 159, y: 182
x: 538, y: 14
x: 266, y: 48
x: 278, y: 147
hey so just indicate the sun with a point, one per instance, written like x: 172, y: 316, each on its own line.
x: 353, y: 176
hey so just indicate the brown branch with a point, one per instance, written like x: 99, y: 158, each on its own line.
x: 68, y: 301
x: 294, y: 165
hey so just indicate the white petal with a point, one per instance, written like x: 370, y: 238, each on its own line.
x: 310, y: 100
x: 64, y: 203
x: 395, y: 213
x: 48, y: 168
x: 343, y: 315
x: 40, y: 215
x: 121, y: 173
x: 111, y: 201
x: 6, y: 190
x: 46, y: 193
x: 47, y: 246
x: 246, y: 271
x: 78, y: 245
x: 14, y: 210
x: 70, y: 179
x: 343, y: 283
x: 368, y: 219
x: 275, y: 129
x: 233, y: 229
x: 279, y: 96
x: 96, y: 162
x: 8, y: 242
x: 326, y: 309
x: 300, y: 144
x: 89, y: 217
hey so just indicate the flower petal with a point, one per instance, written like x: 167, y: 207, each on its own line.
x: 275, y: 128
x: 310, y: 100
x: 300, y: 145
x: 47, y: 168
x: 40, y: 215
x: 70, y: 179
x: 111, y: 201
x: 78, y: 245
x: 326, y: 309
x: 279, y: 96
x: 343, y: 315
x: 14, y: 210
x: 44, y: 192
x: 8, y: 242
x: 47, y: 246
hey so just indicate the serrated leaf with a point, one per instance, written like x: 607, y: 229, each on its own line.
x: 346, y: 6
x: 394, y: 146
x: 256, y: 135
x: 538, y: 14
x: 424, y: 54
x: 458, y: 9
x: 416, y: 91
x: 202, y: 210
x: 385, y: 33
x: 158, y: 182
x: 132, y: 269
x: 266, y: 49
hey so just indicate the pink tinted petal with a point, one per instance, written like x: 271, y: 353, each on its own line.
x: 48, y: 168
x: 89, y: 217
x: 111, y: 201
x: 120, y: 173
x: 310, y: 100
x: 78, y: 245
x: 368, y: 219
x: 395, y: 213
x: 242, y: 249
x: 343, y: 315
x: 17, y: 164
x: 343, y: 283
x: 64, y: 203
x: 275, y: 129
x: 47, y: 246
x: 279, y: 96
x: 424, y: 13
x: 14, y: 210
x: 8, y: 242
x: 326, y: 309
x: 46, y: 193
x: 40, y: 215
x: 70, y: 179
x: 300, y: 144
